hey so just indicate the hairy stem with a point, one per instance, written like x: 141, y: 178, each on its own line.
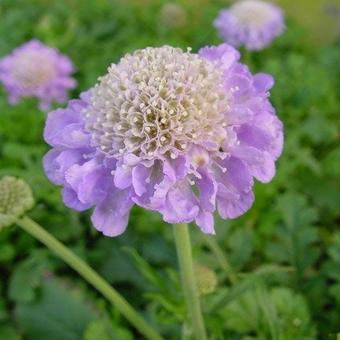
x: 184, y: 252
x: 89, y: 275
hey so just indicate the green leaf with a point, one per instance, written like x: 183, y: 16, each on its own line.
x: 295, y: 237
x: 293, y: 313
x: 9, y: 333
x: 103, y: 330
x: 248, y: 282
x: 278, y: 313
x: 26, y: 278
x: 58, y: 313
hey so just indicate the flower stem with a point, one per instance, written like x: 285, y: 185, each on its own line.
x: 184, y: 253
x: 89, y: 275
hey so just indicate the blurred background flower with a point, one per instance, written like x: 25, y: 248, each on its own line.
x: 251, y: 23
x: 36, y: 70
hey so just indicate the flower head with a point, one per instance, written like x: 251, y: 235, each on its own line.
x: 15, y: 199
x: 252, y: 23
x: 172, y: 131
x: 36, y: 70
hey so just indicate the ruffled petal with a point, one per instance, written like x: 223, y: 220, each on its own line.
x: 90, y: 181
x: 260, y: 163
x: 123, y: 176
x: 111, y: 216
x: 253, y: 135
x: 207, y: 191
x: 205, y: 220
x: 224, y: 53
x: 263, y: 82
x: 57, y: 162
x: 175, y: 169
x: 140, y: 179
x: 234, y: 193
x: 181, y: 205
x: 71, y: 200
x: 56, y: 122
x: 231, y: 204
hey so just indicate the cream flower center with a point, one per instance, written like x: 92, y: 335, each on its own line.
x: 252, y: 12
x: 157, y: 102
x: 32, y: 69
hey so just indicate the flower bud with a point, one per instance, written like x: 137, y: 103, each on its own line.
x: 15, y: 199
x: 206, y: 279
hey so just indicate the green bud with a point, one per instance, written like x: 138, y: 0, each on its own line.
x: 15, y: 199
x: 206, y: 279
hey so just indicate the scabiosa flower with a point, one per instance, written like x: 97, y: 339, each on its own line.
x: 36, y: 70
x: 180, y: 133
x: 252, y: 23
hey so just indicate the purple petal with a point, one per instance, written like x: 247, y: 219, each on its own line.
x: 236, y: 174
x: 181, y: 204
x: 260, y: 163
x: 263, y: 82
x: 140, y: 177
x: 207, y: 191
x: 123, y: 176
x: 57, y: 162
x: 232, y: 205
x: 175, y: 169
x: 112, y: 215
x: 205, y: 220
x: 71, y: 200
x: 253, y: 135
x: 225, y: 53
x: 90, y: 181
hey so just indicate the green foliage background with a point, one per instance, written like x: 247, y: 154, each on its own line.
x: 278, y: 267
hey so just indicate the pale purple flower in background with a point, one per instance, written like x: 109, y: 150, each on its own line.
x: 180, y: 133
x: 36, y: 70
x: 250, y: 23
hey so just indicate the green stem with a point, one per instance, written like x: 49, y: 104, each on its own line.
x: 184, y: 253
x: 90, y: 276
x: 221, y: 258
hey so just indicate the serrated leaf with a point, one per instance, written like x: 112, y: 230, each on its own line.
x: 275, y: 314
x: 295, y: 237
